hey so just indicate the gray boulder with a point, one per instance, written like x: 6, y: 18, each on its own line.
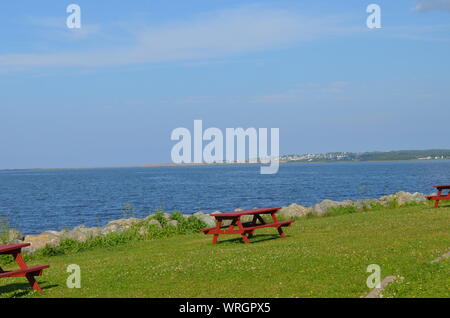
x: 82, y: 233
x: 111, y: 228
x: 402, y: 198
x: 126, y: 223
x: 205, y: 218
x: 323, y: 207
x: 406, y: 197
x: 154, y: 222
x: 293, y: 211
x: 143, y: 231
x: 363, y: 204
x: 173, y: 223
x: 118, y: 226
x: 40, y: 241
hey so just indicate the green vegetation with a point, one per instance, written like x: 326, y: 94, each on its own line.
x: 371, y: 156
x: 4, y: 230
x: 141, y: 232
x: 405, y: 154
x: 321, y: 257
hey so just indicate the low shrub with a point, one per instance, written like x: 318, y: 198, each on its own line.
x: 340, y: 210
x: 140, y: 231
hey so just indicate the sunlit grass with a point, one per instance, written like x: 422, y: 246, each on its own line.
x: 320, y: 257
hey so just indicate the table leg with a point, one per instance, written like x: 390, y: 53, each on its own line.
x: 274, y: 217
x: 31, y: 280
x: 239, y: 224
x: 275, y: 220
x: 33, y: 283
x: 216, y: 236
x: 19, y: 260
x: 232, y: 225
x: 260, y: 218
x: 436, y: 204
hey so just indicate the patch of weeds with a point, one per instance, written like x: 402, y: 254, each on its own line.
x: 159, y: 215
x: 138, y: 232
x: 4, y: 232
x: 374, y: 205
x: 392, y: 204
x: 341, y: 210
x: 4, y: 229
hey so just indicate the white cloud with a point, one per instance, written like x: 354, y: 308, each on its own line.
x: 433, y: 5
x: 305, y: 91
x: 210, y: 36
x: 57, y: 26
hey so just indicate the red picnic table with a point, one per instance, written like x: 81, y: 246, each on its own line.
x: 439, y: 195
x: 24, y: 270
x: 246, y: 229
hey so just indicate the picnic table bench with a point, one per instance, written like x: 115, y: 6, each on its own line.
x: 439, y: 195
x: 245, y: 229
x: 24, y: 270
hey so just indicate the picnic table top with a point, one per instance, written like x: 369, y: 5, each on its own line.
x: 245, y: 212
x: 12, y: 247
x: 444, y: 186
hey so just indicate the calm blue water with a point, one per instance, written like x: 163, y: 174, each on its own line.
x: 35, y: 201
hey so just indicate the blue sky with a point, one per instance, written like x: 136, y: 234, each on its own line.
x: 110, y: 93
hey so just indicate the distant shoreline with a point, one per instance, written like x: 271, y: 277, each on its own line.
x: 159, y: 165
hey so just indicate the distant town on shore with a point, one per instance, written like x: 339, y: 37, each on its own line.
x: 435, y: 154
x: 397, y: 155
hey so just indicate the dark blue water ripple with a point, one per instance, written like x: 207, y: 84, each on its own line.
x: 35, y: 201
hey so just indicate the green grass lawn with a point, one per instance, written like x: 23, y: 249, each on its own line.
x: 320, y: 257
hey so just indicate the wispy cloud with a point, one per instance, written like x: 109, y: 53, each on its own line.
x: 305, y: 91
x: 210, y: 36
x: 432, y: 5
x: 56, y: 27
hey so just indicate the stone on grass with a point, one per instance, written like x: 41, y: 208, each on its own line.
x: 40, y: 241
x: 293, y: 211
x: 154, y: 222
x: 402, y: 198
x: 406, y: 197
x: 205, y: 218
x: 323, y: 207
x: 82, y: 233
x: 143, y: 231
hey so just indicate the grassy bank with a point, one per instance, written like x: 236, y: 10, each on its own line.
x: 321, y: 257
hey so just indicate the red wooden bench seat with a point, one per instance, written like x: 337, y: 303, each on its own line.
x: 277, y: 225
x: 439, y: 196
x: 33, y: 271
x: 246, y: 229
x: 248, y: 226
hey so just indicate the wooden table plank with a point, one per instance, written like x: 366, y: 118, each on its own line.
x: 246, y: 212
x: 8, y: 248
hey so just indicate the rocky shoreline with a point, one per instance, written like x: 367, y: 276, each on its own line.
x: 82, y: 233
